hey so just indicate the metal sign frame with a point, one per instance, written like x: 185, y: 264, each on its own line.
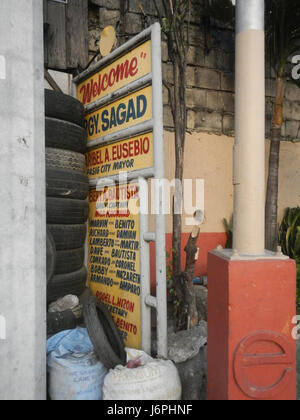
x: 60, y: 1
x: 154, y: 125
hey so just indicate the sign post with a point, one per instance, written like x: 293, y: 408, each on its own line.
x: 122, y: 95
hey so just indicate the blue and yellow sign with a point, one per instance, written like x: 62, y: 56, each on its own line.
x: 127, y: 155
x: 126, y: 112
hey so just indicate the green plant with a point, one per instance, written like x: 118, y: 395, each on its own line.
x: 289, y: 239
x: 289, y: 232
x: 229, y: 232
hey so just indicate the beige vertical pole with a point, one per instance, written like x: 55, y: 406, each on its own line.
x: 249, y: 149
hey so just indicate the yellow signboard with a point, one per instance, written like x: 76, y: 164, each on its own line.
x: 114, y: 257
x: 126, y: 112
x: 125, y: 70
x: 127, y: 155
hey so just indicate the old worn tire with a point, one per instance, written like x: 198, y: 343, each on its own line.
x: 61, y: 183
x: 104, y: 334
x: 68, y: 236
x: 51, y: 255
x: 66, y: 211
x: 65, y: 135
x: 63, y: 107
x: 67, y: 284
x: 69, y: 260
x: 61, y: 321
x: 65, y: 159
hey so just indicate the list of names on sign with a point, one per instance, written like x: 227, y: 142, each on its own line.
x: 114, y: 256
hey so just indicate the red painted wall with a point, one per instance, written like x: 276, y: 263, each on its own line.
x: 207, y: 242
x: 251, y: 353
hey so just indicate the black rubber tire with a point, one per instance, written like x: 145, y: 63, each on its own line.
x: 63, y: 107
x: 68, y: 236
x: 65, y: 135
x: 51, y: 255
x: 67, y: 284
x: 61, y: 321
x: 69, y: 260
x: 104, y: 334
x: 65, y: 159
x: 62, y: 183
x: 66, y: 211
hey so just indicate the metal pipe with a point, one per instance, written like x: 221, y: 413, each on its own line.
x: 249, y: 149
x: 250, y: 15
x: 126, y: 133
x: 130, y: 176
x: 149, y: 237
x: 161, y: 275
x: 145, y: 265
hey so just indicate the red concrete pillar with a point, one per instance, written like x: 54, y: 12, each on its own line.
x: 251, y: 352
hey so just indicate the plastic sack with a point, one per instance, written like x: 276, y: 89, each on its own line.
x: 154, y: 379
x: 75, y: 373
x: 63, y: 304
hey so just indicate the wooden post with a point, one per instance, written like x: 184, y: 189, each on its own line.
x: 192, y: 252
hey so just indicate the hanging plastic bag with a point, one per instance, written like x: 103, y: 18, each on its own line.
x: 66, y: 303
x: 144, y: 378
x: 75, y: 373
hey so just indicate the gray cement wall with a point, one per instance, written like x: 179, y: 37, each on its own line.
x: 22, y: 198
x: 210, y: 91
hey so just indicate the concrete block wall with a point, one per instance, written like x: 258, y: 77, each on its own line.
x: 210, y: 89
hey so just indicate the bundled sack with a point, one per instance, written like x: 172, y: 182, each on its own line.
x: 75, y: 373
x: 144, y: 378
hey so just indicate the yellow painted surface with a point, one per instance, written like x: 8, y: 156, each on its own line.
x: 289, y: 176
x: 127, y: 155
x: 207, y: 157
x: 124, y: 113
x: 114, y: 257
x: 120, y: 73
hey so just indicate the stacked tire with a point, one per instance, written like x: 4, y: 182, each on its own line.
x: 67, y: 189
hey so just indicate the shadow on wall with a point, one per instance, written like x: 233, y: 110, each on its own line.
x: 207, y: 242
